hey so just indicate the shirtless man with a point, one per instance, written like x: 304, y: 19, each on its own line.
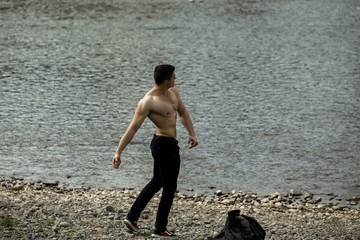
x: 161, y: 105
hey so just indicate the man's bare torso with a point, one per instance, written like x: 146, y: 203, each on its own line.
x: 163, y: 110
x: 161, y: 104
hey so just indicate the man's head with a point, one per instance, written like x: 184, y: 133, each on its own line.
x: 162, y: 73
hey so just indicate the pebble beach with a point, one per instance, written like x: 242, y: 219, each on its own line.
x: 46, y: 210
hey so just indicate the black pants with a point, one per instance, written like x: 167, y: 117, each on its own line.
x: 165, y: 152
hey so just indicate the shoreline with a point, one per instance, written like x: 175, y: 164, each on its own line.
x: 295, y: 195
x: 45, y: 210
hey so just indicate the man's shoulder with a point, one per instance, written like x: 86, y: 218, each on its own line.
x: 174, y: 90
x: 147, y: 99
x: 145, y: 104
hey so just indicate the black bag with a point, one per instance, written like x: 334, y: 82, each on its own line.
x: 241, y: 227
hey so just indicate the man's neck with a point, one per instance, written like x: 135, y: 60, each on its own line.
x: 161, y: 89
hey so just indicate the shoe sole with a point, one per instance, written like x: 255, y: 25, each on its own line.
x: 162, y: 237
x: 131, y: 226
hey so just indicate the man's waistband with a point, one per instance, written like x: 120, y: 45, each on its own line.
x: 165, y: 139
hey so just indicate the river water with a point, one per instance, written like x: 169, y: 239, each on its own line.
x: 272, y: 88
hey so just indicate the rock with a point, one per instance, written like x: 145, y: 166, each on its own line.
x: 338, y: 207
x: 295, y: 192
x: 17, y: 187
x: 308, y: 196
x: 274, y: 195
x: 64, y: 224
x: 38, y: 186
x: 225, y: 201
x: 219, y: 193
x: 278, y: 204
x: 51, y: 183
x: 317, y: 200
x: 110, y: 209
x: 321, y: 206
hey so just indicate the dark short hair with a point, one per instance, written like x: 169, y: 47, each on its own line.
x: 163, y: 72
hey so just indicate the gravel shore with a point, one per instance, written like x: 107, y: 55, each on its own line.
x: 45, y: 210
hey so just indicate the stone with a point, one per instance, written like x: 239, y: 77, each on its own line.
x: 64, y: 224
x: 17, y: 187
x: 308, y: 196
x: 278, y: 204
x: 219, y: 193
x: 38, y: 186
x: 295, y: 192
x: 110, y: 209
x: 51, y: 183
x: 338, y: 207
x: 225, y: 201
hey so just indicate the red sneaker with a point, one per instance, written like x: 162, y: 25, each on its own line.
x: 163, y: 235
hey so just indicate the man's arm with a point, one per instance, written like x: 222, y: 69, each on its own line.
x: 141, y: 112
x: 186, y: 120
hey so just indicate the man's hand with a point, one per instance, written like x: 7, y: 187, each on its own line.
x: 193, y: 142
x: 116, y: 161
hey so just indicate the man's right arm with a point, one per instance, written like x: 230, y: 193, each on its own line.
x: 186, y: 120
x: 141, y: 112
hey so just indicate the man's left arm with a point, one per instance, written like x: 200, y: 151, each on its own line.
x: 186, y: 120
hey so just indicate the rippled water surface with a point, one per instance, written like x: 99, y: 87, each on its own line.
x: 272, y: 88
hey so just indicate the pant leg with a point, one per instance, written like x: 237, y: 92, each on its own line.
x: 146, y: 194
x: 169, y: 165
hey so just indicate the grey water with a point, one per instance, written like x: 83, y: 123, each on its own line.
x: 272, y: 88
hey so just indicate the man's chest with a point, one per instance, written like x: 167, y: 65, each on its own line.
x: 166, y: 106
